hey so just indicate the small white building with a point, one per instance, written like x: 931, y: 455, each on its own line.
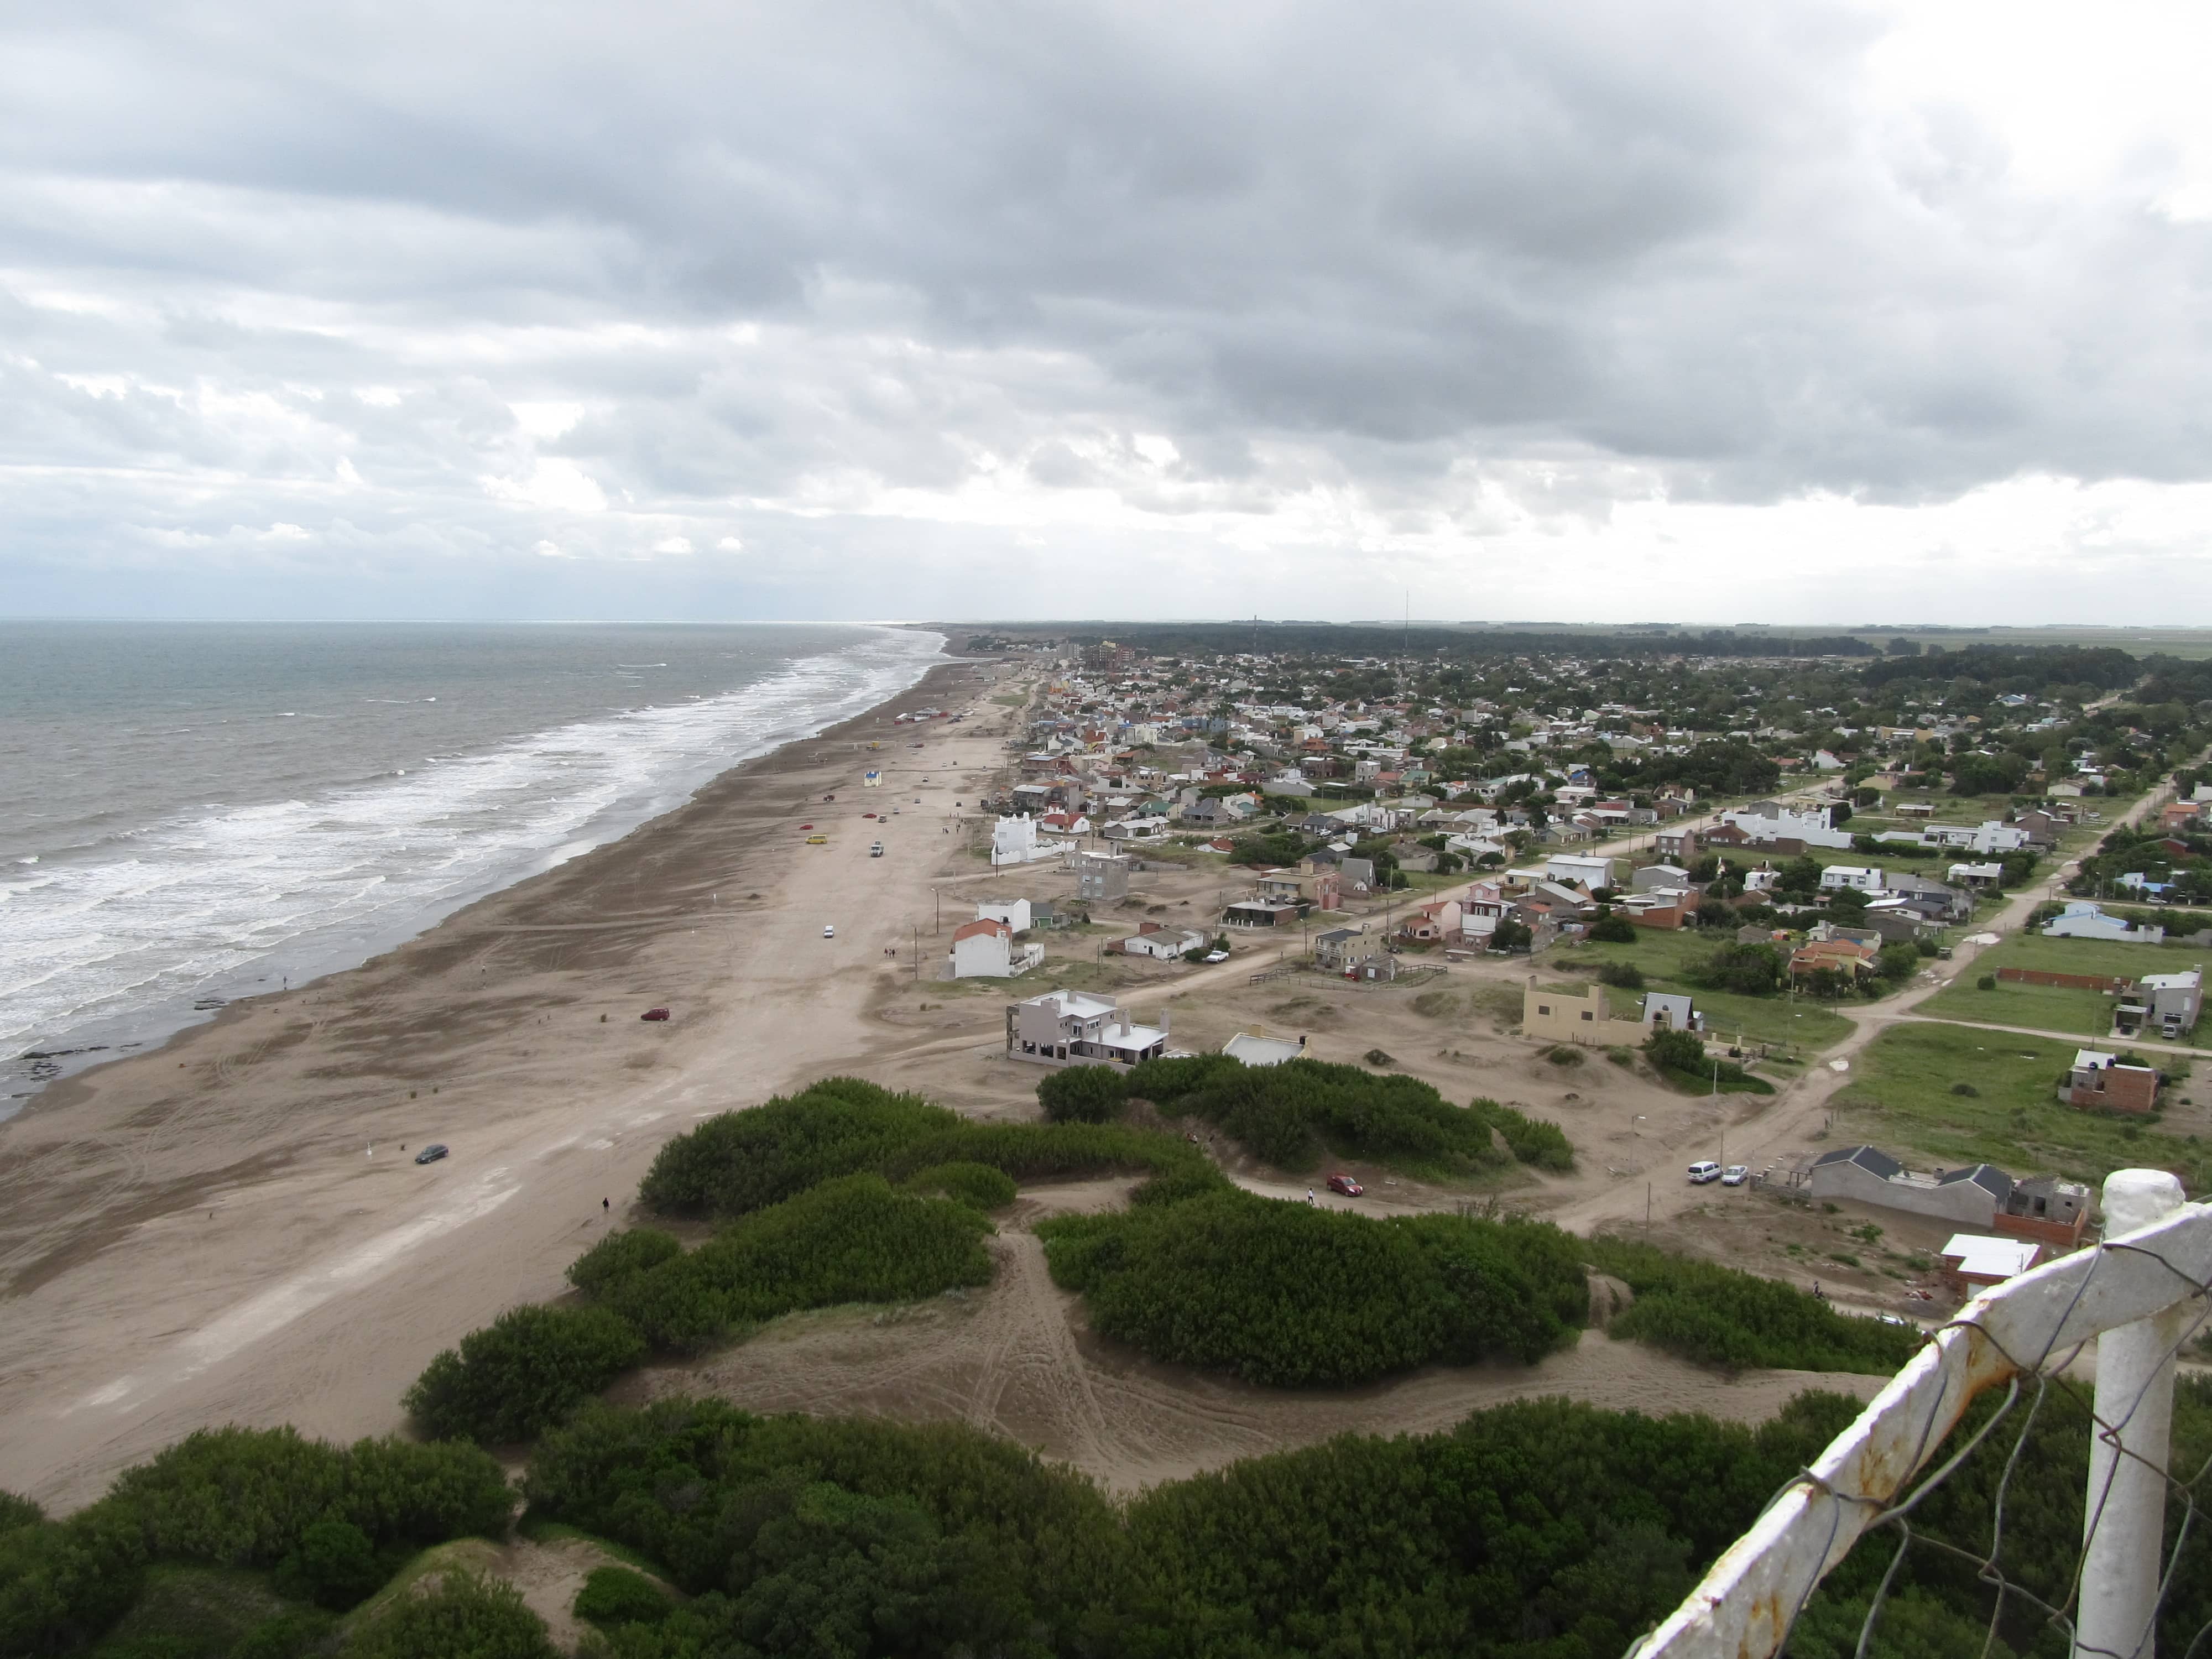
x: 1766, y: 820
x: 1974, y: 875
x: 1014, y: 841
x: 1853, y: 877
x: 1593, y: 871
x: 985, y: 949
x: 1161, y: 944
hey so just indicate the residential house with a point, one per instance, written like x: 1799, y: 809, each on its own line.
x: 1851, y: 878
x: 2086, y: 919
x: 1074, y: 1027
x: 1972, y: 1262
x: 1014, y: 841
x: 1669, y: 1011
x: 1161, y: 943
x: 2168, y: 1003
x: 1100, y: 876
x: 1651, y: 877
x: 2045, y: 1207
x: 1866, y: 1175
x: 1925, y: 893
x: 1565, y: 1016
x: 1769, y: 820
x: 1676, y: 847
x: 1982, y: 876
x: 2102, y: 1080
x: 1844, y: 956
x: 1344, y: 948
x: 985, y: 949
x: 1589, y: 871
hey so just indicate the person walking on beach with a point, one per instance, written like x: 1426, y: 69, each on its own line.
x: 605, y: 1206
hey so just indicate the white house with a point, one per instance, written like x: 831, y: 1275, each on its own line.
x: 1766, y: 820
x: 1857, y: 878
x: 2086, y: 919
x: 985, y: 949
x: 1015, y: 913
x: 1073, y: 1028
x: 1590, y: 869
x: 1974, y: 875
x: 1161, y: 944
x: 1014, y: 841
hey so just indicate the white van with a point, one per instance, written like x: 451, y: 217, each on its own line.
x: 1704, y: 1171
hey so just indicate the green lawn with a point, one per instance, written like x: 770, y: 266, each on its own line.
x: 2052, y: 1007
x: 1664, y: 954
x: 1901, y: 1101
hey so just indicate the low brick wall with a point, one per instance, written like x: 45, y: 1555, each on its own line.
x: 2071, y: 982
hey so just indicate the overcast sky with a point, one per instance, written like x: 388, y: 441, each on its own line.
x: 1719, y: 310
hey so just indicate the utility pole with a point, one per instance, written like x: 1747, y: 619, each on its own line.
x: 917, y: 953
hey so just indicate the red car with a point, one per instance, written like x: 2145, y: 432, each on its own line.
x: 805, y: 826
x: 1347, y: 1185
x: 654, y: 1013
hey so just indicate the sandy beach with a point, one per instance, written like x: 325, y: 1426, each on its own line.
x: 233, y: 1229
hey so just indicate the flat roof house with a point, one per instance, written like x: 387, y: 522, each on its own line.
x: 1074, y: 1027
x: 2101, y: 1080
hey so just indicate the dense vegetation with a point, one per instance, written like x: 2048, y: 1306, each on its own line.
x: 522, y: 1373
x: 1539, y: 1530
x: 328, y: 1523
x: 854, y: 1239
x: 1535, y: 1141
x: 1291, y: 1115
x: 1681, y: 1059
x: 1720, y: 1315
x: 1292, y: 1296
x: 739, y: 1162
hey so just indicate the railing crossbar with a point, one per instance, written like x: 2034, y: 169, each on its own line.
x: 1744, y: 1606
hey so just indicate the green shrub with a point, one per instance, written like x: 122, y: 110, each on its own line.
x: 1291, y: 1115
x: 1986, y: 982
x: 620, y: 1255
x: 1564, y: 1055
x: 1292, y: 1296
x: 238, y: 1499
x: 521, y: 1374
x: 1083, y: 1094
x: 464, y: 1615
x: 1623, y: 976
x: 621, y: 1595
x: 1533, y: 1140
x: 1965, y: 1090
x: 18, y: 1512
x: 978, y: 1185
x: 1610, y: 928
x: 742, y: 1161
x: 854, y: 1239
x: 1719, y: 1315
x: 1747, y: 970
x: 1680, y: 1057
x: 335, y: 1566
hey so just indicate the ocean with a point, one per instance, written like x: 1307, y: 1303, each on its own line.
x: 195, y: 811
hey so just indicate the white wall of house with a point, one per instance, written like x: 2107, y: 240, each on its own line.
x: 1015, y: 913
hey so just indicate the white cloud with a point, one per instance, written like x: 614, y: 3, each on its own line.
x: 559, y: 485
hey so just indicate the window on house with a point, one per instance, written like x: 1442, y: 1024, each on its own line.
x: 1588, y: 1015
x: 1542, y: 1008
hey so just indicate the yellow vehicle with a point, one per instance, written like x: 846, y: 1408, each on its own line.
x: 818, y: 841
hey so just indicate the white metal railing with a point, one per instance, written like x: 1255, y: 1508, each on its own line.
x: 2141, y: 1294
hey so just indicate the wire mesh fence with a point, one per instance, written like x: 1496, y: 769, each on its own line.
x: 2002, y: 1502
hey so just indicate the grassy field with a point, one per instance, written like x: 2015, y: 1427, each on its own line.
x: 2052, y: 1007
x: 1664, y: 955
x: 1901, y: 1100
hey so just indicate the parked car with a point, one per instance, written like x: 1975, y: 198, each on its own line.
x: 828, y: 933
x: 431, y: 1153
x: 805, y: 826
x: 818, y: 841
x: 1216, y: 956
x: 654, y: 1013
x: 875, y: 850
x: 1347, y: 1185
x: 1702, y: 1171
x: 1737, y: 1174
